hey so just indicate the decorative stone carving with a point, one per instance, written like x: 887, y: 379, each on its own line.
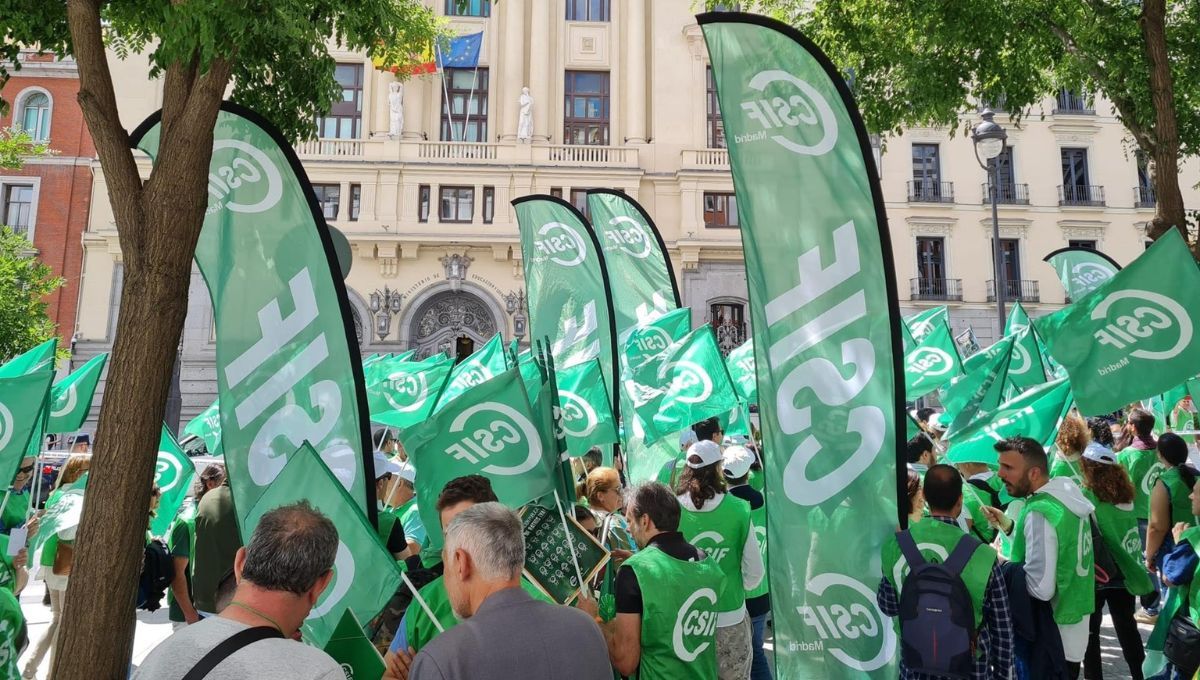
x: 1082, y: 230
x: 525, y: 118
x: 389, y: 267
x: 455, y: 312
x: 930, y: 226
x: 396, y: 106
x: 456, y: 269
x: 1009, y: 228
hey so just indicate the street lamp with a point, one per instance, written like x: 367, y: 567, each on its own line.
x: 383, y: 304
x: 515, y: 303
x: 989, y: 138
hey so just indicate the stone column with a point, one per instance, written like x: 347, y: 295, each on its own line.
x: 541, y: 66
x: 416, y: 90
x: 634, y: 76
x: 512, y: 70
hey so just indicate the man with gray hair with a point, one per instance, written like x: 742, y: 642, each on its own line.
x: 280, y: 575
x: 506, y: 634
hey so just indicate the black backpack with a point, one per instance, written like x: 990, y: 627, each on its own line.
x: 158, y: 570
x: 937, y: 616
x: 1108, y: 572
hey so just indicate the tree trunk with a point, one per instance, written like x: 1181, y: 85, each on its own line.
x: 1169, y: 211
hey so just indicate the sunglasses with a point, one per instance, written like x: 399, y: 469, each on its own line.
x: 25, y: 470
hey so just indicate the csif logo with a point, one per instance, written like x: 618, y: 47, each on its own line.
x: 6, y: 426
x: 695, y: 620
x: 578, y: 417
x: 1088, y: 276
x: 689, y: 383
x: 499, y: 431
x: 343, y: 578
x: 472, y: 376
x: 406, y: 392
x: 628, y: 236
x: 848, y: 622
x: 1132, y: 541
x: 65, y: 403
x: 1150, y: 325
x: 1020, y: 362
x: 929, y: 361
x: 793, y: 114
x: 560, y: 244
x: 712, y: 543
x: 900, y: 571
x: 244, y: 168
x: 167, y: 472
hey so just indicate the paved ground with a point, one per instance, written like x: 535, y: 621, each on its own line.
x: 153, y: 628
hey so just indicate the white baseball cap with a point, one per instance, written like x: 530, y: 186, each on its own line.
x: 738, y: 460
x: 1098, y: 453
x: 939, y: 422
x: 687, y: 437
x: 385, y: 465
x: 707, y: 451
x: 406, y: 472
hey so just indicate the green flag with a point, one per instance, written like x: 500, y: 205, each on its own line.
x: 490, y: 430
x: 370, y: 360
x: 1036, y: 413
x: 1017, y: 320
x: 173, y: 475
x: 287, y: 360
x: 932, y: 364
x: 22, y: 401
x: 71, y: 397
x: 587, y: 419
x: 923, y: 323
x: 351, y: 649
x: 207, y: 426
x: 741, y: 370
x: 1134, y: 336
x: 565, y: 277
x: 639, y: 270
x: 484, y: 364
x: 407, y: 393
x: 32, y: 360
x: 825, y: 318
x: 64, y: 509
x: 1026, y: 370
x: 652, y: 337
x: 981, y: 390
x: 684, y: 385
x: 1082, y: 270
x: 531, y: 374
x: 381, y: 368
x: 365, y: 575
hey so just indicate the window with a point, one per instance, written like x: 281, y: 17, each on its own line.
x: 585, y: 119
x: 556, y: 192
x: 345, y: 116
x: 1010, y: 263
x: 457, y: 204
x: 355, y: 201
x: 18, y: 208
x: 587, y: 10
x: 1075, y: 189
x: 579, y: 200
x: 328, y: 197
x: 469, y: 8
x: 423, y: 203
x: 1145, y: 186
x: 467, y: 118
x: 720, y: 210
x: 1088, y: 244
x: 489, y: 204
x: 729, y: 325
x: 1068, y: 101
x: 926, y: 173
x: 716, y: 127
x: 931, y: 260
x: 35, y: 116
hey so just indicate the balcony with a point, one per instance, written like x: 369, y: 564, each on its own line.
x: 1081, y: 195
x: 1009, y: 194
x: 1143, y: 197
x: 330, y: 148
x: 705, y: 159
x: 925, y: 191
x: 586, y: 155
x: 444, y: 151
x: 1073, y: 104
x: 936, y: 289
x: 1017, y: 289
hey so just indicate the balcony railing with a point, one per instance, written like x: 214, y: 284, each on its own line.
x: 1144, y: 197
x: 936, y: 289
x: 1080, y: 194
x: 330, y: 148
x: 1017, y: 289
x: 587, y: 155
x: 1071, y: 103
x: 1009, y: 194
x: 474, y: 151
x: 925, y: 191
x: 706, y: 158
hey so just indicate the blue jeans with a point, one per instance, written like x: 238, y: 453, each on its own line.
x: 760, y: 670
x: 1151, y: 600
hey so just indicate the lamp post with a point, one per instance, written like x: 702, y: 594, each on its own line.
x: 515, y: 303
x: 383, y: 304
x: 990, y: 138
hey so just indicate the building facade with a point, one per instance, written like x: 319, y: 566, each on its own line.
x: 420, y: 180
x: 47, y: 200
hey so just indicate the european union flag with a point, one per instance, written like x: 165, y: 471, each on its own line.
x: 462, y: 52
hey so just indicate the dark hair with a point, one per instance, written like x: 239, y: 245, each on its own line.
x: 943, y: 487
x: 701, y: 484
x: 707, y: 428
x: 593, y: 456
x: 917, y: 446
x: 912, y: 486
x: 292, y: 547
x: 582, y: 514
x: 1101, y: 431
x: 382, y: 437
x: 924, y: 413
x: 1143, y: 429
x: 213, y: 472
x: 1174, y: 450
x: 1030, y: 450
x: 1110, y: 483
x: 155, y: 491
x: 655, y: 500
x: 474, y: 488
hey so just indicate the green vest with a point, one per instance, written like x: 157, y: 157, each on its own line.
x: 12, y: 621
x: 419, y: 629
x: 1143, y: 468
x: 722, y: 533
x: 1075, y: 578
x: 1178, y: 491
x: 1066, y: 468
x: 758, y: 524
x: 757, y: 480
x: 973, y: 504
x: 679, y: 615
x: 1119, y: 530
x: 16, y: 510
x: 937, y: 540
x: 1192, y: 537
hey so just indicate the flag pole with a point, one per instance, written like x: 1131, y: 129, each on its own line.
x: 474, y: 83
x: 571, y: 546
x: 445, y: 91
x: 4, y: 503
x: 421, y: 601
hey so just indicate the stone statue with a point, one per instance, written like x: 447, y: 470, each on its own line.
x: 525, y: 122
x: 396, y: 103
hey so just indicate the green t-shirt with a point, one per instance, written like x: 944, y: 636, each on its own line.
x: 722, y: 533
x: 1075, y: 577
x: 180, y: 544
x: 679, y: 615
x: 1066, y: 468
x: 1178, y: 492
x: 214, y: 545
x: 410, y: 519
x: 12, y: 634
x: 1143, y: 468
x: 973, y: 504
x: 936, y: 540
x: 419, y: 629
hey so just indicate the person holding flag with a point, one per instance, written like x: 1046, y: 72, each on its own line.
x: 17, y: 498
x: 388, y: 495
x: 1136, y: 453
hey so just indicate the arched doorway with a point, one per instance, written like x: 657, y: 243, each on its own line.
x: 457, y: 322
